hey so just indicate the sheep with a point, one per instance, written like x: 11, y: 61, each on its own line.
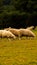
x: 20, y: 32
x: 13, y: 31
x: 4, y: 33
x: 27, y: 32
x: 30, y: 28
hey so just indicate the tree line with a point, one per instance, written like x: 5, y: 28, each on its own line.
x: 18, y: 13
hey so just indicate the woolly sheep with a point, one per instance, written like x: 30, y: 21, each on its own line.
x: 26, y: 32
x: 13, y: 31
x: 4, y: 33
x: 21, y: 31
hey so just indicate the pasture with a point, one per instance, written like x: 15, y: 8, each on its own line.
x: 18, y: 52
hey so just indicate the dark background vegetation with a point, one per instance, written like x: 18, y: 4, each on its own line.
x: 18, y: 13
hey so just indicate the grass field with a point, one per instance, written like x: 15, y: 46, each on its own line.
x: 18, y: 52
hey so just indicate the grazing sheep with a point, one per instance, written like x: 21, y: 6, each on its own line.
x: 4, y: 33
x: 30, y: 28
x: 26, y: 32
x: 13, y: 31
x: 21, y: 32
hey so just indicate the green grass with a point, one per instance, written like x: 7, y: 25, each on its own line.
x: 18, y: 52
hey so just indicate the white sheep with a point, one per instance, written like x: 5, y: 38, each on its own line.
x: 21, y: 31
x: 4, y: 33
x: 13, y: 31
x: 27, y: 32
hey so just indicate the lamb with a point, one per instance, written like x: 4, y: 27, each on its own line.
x: 8, y: 34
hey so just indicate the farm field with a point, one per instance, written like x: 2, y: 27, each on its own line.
x: 18, y: 52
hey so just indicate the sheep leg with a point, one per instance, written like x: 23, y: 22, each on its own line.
x: 8, y: 39
x: 19, y: 37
